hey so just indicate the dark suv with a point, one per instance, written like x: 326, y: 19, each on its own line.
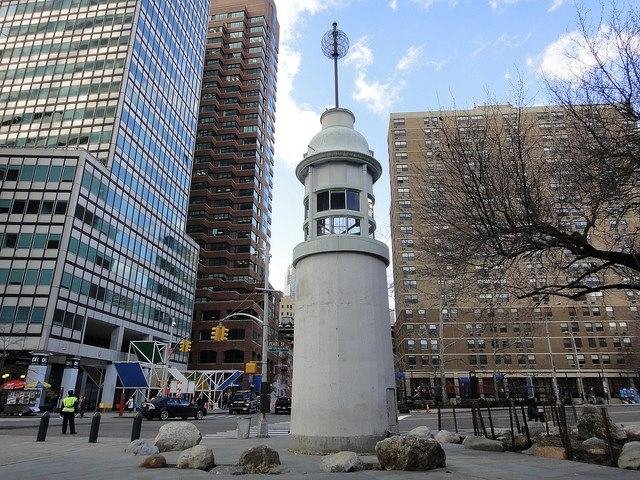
x: 244, y: 401
x: 165, y: 408
x: 283, y: 405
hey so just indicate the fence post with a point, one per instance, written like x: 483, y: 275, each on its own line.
x: 484, y: 429
x: 545, y: 418
x: 564, y: 431
x: 455, y: 420
x: 515, y: 415
x: 476, y: 430
x: 493, y: 433
x: 513, y: 436
x: 439, y: 417
x: 526, y: 425
x: 607, y: 432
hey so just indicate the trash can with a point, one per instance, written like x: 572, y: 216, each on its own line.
x: 244, y: 427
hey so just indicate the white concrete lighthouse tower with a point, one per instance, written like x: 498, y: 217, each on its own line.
x: 343, y: 381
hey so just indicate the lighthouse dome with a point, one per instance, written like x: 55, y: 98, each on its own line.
x: 338, y: 134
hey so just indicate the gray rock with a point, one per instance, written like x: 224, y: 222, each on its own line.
x: 594, y: 443
x: 630, y: 456
x: 141, y: 447
x: 341, y: 462
x: 278, y: 470
x: 591, y: 424
x: 444, y: 436
x: 259, y: 459
x: 421, y: 431
x: 228, y: 470
x: 530, y: 450
x: 199, y: 457
x: 154, y: 461
x: 410, y: 453
x: 481, y: 443
x: 633, y: 432
x: 177, y: 436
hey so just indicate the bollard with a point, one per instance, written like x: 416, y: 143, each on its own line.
x: 95, y: 426
x: 137, y: 426
x: 44, y: 426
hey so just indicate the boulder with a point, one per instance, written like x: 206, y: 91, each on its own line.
x: 530, y: 450
x: 633, y: 432
x: 594, y: 443
x: 341, y: 462
x: 228, y: 470
x: 481, y: 443
x: 199, y: 457
x: 558, y: 453
x: 591, y: 424
x: 421, y: 432
x: 518, y: 443
x: 410, y: 453
x: 141, y: 447
x: 259, y: 459
x: 444, y: 436
x: 154, y: 461
x: 630, y: 456
x: 177, y: 436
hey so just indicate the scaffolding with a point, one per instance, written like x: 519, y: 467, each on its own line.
x: 212, y: 383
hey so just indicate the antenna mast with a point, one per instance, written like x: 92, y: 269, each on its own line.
x: 335, y: 45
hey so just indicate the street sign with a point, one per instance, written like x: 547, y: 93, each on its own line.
x: 278, y: 349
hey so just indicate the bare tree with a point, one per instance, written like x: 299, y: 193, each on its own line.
x: 549, y: 198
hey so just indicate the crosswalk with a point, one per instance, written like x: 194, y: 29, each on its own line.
x: 275, y: 430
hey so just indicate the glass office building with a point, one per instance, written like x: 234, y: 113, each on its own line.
x: 98, y: 115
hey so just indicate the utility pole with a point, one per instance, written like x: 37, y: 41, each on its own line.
x: 263, y: 430
x: 443, y: 380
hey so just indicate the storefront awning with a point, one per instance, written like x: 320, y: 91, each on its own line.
x: 131, y: 375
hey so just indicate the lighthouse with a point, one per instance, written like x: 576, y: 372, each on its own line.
x: 343, y: 394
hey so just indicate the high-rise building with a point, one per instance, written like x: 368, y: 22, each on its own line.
x: 290, y: 282
x: 230, y: 205
x: 98, y: 107
x: 489, y: 340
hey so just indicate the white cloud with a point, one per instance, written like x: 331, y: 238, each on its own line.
x: 411, y: 58
x: 569, y: 56
x: 379, y: 97
x: 556, y: 4
x: 393, y: 4
x: 496, y: 4
x: 360, y: 54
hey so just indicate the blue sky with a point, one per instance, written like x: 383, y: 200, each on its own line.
x: 406, y: 55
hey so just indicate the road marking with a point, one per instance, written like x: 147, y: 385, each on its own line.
x: 275, y: 430
x: 402, y: 417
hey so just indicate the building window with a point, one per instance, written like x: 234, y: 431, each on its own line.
x: 207, y: 356
x: 233, y: 356
x: 338, y: 226
x: 340, y: 199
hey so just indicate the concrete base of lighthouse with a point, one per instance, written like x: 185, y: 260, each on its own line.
x: 343, y: 394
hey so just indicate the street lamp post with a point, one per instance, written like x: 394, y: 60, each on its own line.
x: 579, y: 370
x: 554, y: 373
x: 263, y: 427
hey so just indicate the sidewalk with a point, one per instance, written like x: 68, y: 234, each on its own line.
x: 68, y: 458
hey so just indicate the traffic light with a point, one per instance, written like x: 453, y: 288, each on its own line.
x: 219, y: 333
x: 185, y: 345
x: 251, y: 367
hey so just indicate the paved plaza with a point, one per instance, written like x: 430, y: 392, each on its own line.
x: 70, y: 457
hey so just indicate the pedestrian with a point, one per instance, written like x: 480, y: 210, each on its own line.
x: 532, y: 410
x: 130, y: 404
x: 69, y: 409
x: 83, y: 406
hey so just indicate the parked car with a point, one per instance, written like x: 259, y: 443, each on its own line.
x: 244, y: 401
x: 165, y: 408
x: 283, y: 405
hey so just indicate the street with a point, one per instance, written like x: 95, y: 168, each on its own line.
x: 224, y: 425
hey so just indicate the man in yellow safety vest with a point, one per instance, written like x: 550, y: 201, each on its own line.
x: 69, y: 408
